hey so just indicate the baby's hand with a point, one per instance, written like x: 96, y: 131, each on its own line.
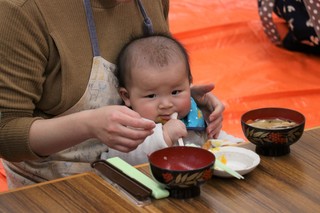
x: 173, y: 130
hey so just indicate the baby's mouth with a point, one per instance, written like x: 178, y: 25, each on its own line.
x: 162, y: 119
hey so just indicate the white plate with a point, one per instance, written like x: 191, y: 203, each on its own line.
x: 239, y: 159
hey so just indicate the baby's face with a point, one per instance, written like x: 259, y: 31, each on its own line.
x: 156, y: 93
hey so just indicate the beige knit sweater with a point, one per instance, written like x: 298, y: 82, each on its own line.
x: 46, y: 56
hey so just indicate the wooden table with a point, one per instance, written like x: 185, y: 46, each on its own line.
x: 289, y: 183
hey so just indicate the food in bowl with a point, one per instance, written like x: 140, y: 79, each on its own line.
x: 272, y: 123
x: 182, y: 169
x: 274, y: 141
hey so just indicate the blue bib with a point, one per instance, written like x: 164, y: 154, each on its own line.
x: 194, y: 120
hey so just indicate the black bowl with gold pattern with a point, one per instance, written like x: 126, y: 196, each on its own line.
x: 273, y: 141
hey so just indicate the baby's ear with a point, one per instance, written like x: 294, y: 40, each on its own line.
x: 125, y: 96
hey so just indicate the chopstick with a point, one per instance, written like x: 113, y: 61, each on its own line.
x: 224, y: 167
x: 175, y: 116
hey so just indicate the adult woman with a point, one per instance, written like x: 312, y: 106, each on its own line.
x: 59, y: 113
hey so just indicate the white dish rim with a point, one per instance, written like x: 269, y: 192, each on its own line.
x: 250, y: 153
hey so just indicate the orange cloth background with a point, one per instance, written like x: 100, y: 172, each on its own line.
x: 228, y: 47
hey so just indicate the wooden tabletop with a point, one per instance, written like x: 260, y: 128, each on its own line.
x: 288, y: 183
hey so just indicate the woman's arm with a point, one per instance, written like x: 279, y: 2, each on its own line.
x: 118, y: 127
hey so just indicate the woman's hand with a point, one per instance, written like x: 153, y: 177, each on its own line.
x: 211, y: 107
x: 118, y: 127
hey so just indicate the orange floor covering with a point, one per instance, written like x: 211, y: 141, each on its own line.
x: 228, y: 47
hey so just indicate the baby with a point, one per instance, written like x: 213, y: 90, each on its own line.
x: 154, y: 80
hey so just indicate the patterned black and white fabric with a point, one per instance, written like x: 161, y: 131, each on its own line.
x: 303, y: 19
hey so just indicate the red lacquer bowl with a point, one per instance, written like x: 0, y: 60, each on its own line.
x: 182, y: 169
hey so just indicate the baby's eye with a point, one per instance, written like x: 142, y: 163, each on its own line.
x: 151, y: 96
x: 176, y: 92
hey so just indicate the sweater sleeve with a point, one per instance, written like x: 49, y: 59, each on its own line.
x: 23, y: 62
x: 140, y: 155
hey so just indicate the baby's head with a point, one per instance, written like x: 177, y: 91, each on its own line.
x: 157, y: 50
x: 154, y: 77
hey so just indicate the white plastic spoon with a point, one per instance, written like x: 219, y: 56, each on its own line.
x: 175, y: 116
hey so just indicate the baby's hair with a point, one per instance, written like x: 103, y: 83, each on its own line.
x: 156, y: 50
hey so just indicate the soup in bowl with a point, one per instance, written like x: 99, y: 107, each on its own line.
x: 273, y: 130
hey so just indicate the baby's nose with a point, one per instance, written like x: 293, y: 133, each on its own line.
x: 165, y: 104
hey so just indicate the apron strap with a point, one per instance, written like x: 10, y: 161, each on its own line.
x: 92, y: 28
x: 148, y: 28
x: 147, y: 23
